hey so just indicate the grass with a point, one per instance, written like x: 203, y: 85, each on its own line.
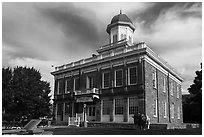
x: 122, y: 131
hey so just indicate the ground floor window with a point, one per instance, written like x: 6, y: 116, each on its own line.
x: 172, y: 110
x: 59, y: 109
x: 92, y: 111
x: 133, y: 105
x: 106, y: 107
x: 119, y: 106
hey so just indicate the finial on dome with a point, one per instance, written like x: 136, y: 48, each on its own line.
x: 120, y: 11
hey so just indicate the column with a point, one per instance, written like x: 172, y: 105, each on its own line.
x: 112, y: 113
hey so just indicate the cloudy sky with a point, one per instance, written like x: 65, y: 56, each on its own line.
x: 46, y: 34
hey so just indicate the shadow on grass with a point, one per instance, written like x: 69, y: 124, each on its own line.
x: 123, y: 131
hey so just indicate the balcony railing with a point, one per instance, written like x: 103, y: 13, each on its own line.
x: 88, y: 91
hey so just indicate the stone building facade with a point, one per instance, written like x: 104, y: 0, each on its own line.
x: 122, y: 79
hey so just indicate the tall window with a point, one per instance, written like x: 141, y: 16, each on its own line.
x: 155, y: 108
x: 67, y: 108
x: 179, y: 115
x: 165, y: 110
x: 177, y: 90
x: 130, y: 39
x: 154, y: 79
x: 164, y: 84
x: 133, y: 105
x: 76, y: 83
x: 106, y: 107
x: 172, y: 88
x: 90, y: 82
x: 118, y: 78
x: 115, y: 38
x: 92, y: 111
x: 172, y: 110
x: 105, y: 79
x: 59, y: 109
x: 119, y: 106
x: 60, y: 87
x: 132, y: 75
x: 68, y: 86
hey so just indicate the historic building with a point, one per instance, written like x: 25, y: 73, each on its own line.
x: 123, y: 78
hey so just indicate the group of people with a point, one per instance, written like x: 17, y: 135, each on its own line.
x: 142, y: 120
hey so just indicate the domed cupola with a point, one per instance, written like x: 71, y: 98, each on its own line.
x: 121, y: 27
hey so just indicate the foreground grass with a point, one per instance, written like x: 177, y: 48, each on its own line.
x: 123, y: 131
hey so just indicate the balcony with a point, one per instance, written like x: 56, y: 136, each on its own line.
x: 88, y: 91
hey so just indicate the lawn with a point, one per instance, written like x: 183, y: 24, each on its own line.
x: 122, y: 131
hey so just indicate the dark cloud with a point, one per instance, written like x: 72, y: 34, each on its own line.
x: 77, y: 24
x: 153, y: 12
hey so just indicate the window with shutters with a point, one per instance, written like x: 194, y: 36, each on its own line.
x: 118, y: 78
x: 155, y: 108
x: 132, y: 75
x: 118, y: 106
x: 105, y: 79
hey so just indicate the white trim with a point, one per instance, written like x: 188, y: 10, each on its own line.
x: 105, y: 67
x: 177, y: 90
x: 172, y: 111
x: 132, y: 61
x: 165, y: 110
x: 103, y: 79
x: 173, y: 78
x: 129, y: 75
x: 118, y: 64
x: 90, y: 70
x: 153, y: 63
x: 164, y: 84
x: 155, y: 115
x: 68, y: 75
x: 178, y: 114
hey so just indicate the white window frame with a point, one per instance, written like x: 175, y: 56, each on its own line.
x: 129, y: 75
x: 116, y: 79
x: 177, y: 90
x: 88, y: 82
x: 154, y: 79
x: 179, y: 114
x: 103, y: 79
x: 155, y: 113
x: 66, y: 91
x: 165, y: 110
x: 172, y: 111
x: 171, y: 88
x: 164, y: 84
x: 121, y: 99
x: 58, y: 88
x: 75, y: 83
x: 135, y: 104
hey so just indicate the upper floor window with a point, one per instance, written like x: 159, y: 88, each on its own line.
x: 115, y: 38
x: 132, y: 75
x: 178, y: 90
x: 76, y: 83
x: 172, y: 88
x: 119, y: 106
x: 67, y: 85
x: 60, y: 87
x: 179, y: 115
x: 123, y: 36
x: 105, y: 79
x: 90, y: 82
x: 164, y: 84
x: 154, y: 79
x: 118, y: 78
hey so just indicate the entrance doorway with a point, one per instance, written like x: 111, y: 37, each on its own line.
x: 91, y: 113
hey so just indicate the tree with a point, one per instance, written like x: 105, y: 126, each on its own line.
x: 30, y: 94
x: 193, y: 104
